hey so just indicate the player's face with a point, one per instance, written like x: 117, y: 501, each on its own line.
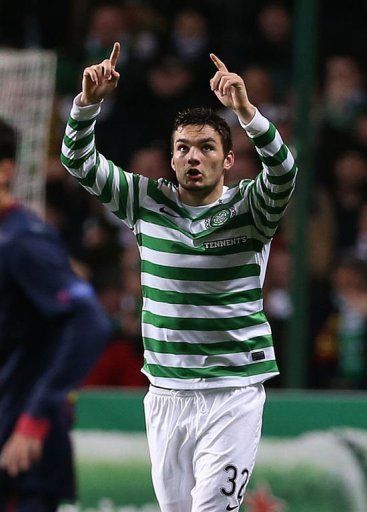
x: 199, y: 162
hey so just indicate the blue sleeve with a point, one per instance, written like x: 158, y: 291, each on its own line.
x: 40, y: 267
x: 81, y: 338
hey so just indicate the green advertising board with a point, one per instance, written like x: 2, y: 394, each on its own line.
x: 312, y: 457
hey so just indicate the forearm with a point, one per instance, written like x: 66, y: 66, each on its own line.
x: 270, y: 193
x: 79, y: 155
x: 99, y: 176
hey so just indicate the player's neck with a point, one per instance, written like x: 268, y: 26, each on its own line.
x: 200, y: 197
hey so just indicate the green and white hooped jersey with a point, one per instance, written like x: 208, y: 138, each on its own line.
x: 203, y: 322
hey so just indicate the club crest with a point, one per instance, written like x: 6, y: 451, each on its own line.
x: 220, y: 218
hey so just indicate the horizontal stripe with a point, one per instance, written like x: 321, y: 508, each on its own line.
x: 277, y: 196
x: 281, y: 168
x: 90, y: 179
x: 201, y: 299
x: 200, y: 274
x: 202, y: 324
x: 196, y: 261
x: 157, y: 333
x: 265, y: 223
x: 277, y: 159
x: 265, y: 138
x: 76, y: 163
x: 224, y: 347
x: 258, y: 225
x: 164, y: 233
x: 272, y: 210
x: 208, y: 287
x: 153, y: 217
x: 161, y: 199
x: 212, y: 372
x: 159, y: 232
x: 282, y: 179
x: 205, y: 361
x: 175, y: 247
x: 78, y: 144
x: 79, y: 125
x: 209, y: 312
x: 195, y: 229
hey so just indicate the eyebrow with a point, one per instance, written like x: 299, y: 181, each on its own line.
x: 187, y: 141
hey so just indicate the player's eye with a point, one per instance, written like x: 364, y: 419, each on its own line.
x: 208, y: 147
x: 182, y: 148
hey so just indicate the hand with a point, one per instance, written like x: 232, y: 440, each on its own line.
x: 230, y: 89
x: 100, y: 79
x: 19, y: 453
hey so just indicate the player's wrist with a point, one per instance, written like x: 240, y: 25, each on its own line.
x: 37, y: 428
x: 246, y: 113
x: 86, y: 101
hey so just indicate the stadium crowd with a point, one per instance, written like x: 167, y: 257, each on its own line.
x: 165, y: 47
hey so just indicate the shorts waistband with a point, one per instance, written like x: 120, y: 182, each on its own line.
x: 157, y: 390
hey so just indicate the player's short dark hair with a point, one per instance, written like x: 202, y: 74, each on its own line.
x: 8, y: 141
x: 201, y: 116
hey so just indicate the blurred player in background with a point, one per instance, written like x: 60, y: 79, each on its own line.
x: 204, y: 249
x: 52, y: 329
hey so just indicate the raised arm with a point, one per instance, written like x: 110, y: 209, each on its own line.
x: 230, y: 90
x: 268, y: 195
x: 99, y: 176
x: 101, y: 79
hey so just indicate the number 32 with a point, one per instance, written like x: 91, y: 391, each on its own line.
x: 232, y: 480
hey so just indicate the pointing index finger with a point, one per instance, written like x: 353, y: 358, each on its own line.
x: 218, y: 63
x: 115, y: 54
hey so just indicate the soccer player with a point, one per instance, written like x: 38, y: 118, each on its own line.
x: 52, y: 329
x: 204, y: 249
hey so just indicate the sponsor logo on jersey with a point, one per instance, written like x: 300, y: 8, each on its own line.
x: 220, y: 218
x: 226, y: 242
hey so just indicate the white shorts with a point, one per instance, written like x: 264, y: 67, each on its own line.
x: 202, y: 445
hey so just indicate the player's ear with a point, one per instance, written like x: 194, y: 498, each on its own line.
x: 173, y: 164
x: 228, y: 161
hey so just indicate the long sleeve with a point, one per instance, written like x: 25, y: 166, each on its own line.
x: 117, y: 189
x: 269, y: 194
x: 76, y: 325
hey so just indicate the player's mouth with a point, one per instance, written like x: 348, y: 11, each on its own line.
x: 194, y: 174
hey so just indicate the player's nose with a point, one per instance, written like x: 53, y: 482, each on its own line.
x: 193, y: 156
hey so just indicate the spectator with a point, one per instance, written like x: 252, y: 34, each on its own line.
x: 272, y: 45
x: 261, y: 87
x: 343, y: 100
x: 341, y: 344
x: 344, y: 94
x: 109, y: 22
x: 350, y: 188
x: 278, y: 301
x: 151, y: 161
x: 120, y: 363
